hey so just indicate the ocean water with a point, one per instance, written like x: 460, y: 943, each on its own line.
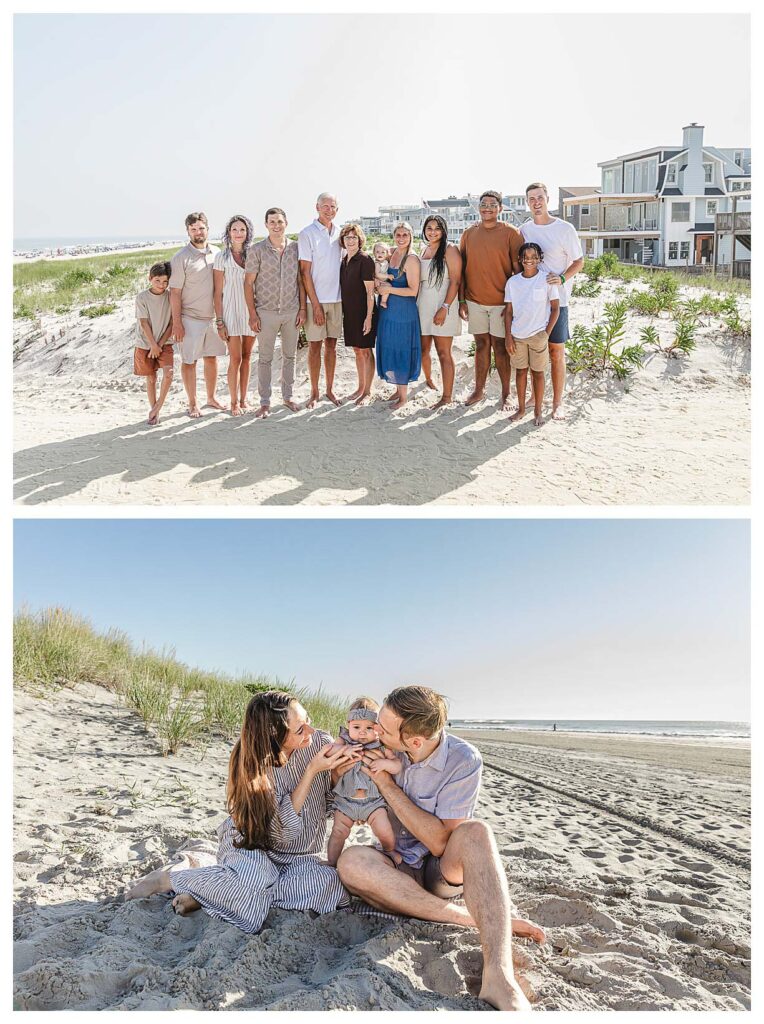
x: 69, y: 241
x: 726, y: 730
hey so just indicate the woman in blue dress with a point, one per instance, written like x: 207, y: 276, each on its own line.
x: 399, y: 345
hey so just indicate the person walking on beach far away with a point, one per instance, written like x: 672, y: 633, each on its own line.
x: 231, y: 318
x: 490, y: 256
x: 275, y: 298
x: 320, y: 258
x: 444, y: 851
x: 563, y: 258
x: 193, y: 311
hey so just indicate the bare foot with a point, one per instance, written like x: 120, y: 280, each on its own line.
x: 558, y: 413
x: 333, y: 398
x: 311, y: 403
x: 476, y: 396
x: 262, y: 412
x: 355, y: 396
x: 212, y: 403
x: 538, y: 419
x: 194, y: 412
x: 184, y: 904
x: 443, y: 402
x: 430, y: 384
x: 236, y: 410
x: 398, y: 404
x: 503, y: 994
x: 517, y: 415
x: 504, y: 403
x: 293, y: 406
x: 244, y: 405
x: 528, y: 930
x: 154, y: 882
x: 153, y: 419
x: 364, y: 399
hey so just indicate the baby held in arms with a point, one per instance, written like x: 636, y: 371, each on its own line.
x: 381, y: 266
x: 356, y: 798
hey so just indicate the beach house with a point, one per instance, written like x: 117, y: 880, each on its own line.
x: 459, y: 213
x: 682, y: 206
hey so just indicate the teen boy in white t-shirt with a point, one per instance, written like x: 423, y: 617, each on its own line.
x: 531, y: 312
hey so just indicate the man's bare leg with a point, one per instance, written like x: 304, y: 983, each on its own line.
x: 557, y: 358
x: 482, y: 366
x: 314, y: 371
x: 188, y: 373
x: 211, y: 382
x: 501, y: 357
x: 330, y: 364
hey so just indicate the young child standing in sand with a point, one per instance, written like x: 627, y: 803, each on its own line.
x: 153, y: 349
x: 356, y: 798
x: 381, y: 267
x: 531, y: 311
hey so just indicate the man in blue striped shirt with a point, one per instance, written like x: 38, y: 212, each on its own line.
x: 441, y: 852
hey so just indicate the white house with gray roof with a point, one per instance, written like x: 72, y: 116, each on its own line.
x: 459, y: 213
x: 659, y: 206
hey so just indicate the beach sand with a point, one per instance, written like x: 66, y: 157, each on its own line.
x: 633, y: 854
x: 677, y: 433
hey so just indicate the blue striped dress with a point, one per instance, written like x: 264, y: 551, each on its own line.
x: 244, y: 884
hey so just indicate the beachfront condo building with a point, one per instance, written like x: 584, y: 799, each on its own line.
x: 670, y: 206
x: 459, y: 213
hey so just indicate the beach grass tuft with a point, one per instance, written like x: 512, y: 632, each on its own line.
x: 181, y: 705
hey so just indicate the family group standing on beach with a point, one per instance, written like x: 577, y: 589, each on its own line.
x: 398, y: 768
x: 511, y: 285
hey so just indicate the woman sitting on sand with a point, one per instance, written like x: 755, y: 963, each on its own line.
x: 279, y: 789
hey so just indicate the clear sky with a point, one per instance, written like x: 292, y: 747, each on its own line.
x: 643, y: 619
x: 124, y: 123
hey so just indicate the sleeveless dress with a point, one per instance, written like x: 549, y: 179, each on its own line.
x: 235, y: 314
x: 399, y: 341
x: 430, y: 300
x: 244, y: 884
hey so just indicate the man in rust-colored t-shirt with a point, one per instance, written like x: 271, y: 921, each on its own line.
x: 490, y: 254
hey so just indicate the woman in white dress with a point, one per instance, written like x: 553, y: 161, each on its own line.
x: 438, y: 309
x: 231, y: 316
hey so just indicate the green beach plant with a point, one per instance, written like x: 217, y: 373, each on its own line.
x: 95, y: 311
x: 586, y: 289
x: 597, y: 350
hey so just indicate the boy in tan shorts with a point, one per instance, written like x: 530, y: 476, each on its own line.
x: 532, y: 308
x: 153, y: 349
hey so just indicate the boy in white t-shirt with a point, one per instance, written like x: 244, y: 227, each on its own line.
x: 531, y: 311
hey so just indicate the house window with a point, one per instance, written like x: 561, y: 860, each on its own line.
x: 671, y: 174
x: 673, y: 250
x: 584, y: 211
x: 708, y: 173
x: 710, y: 207
x: 611, y: 180
x: 739, y: 157
x: 737, y: 186
x: 684, y: 251
x: 680, y: 212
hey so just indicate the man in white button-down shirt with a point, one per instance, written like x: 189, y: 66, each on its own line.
x: 320, y: 257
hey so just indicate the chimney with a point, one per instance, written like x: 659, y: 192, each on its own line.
x: 694, y: 181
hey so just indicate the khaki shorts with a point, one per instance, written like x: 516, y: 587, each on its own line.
x: 533, y: 351
x: 485, y: 319
x: 145, y: 365
x: 200, y: 339
x: 332, y: 322
x: 430, y: 877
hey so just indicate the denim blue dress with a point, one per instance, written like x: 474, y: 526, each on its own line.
x: 399, y: 341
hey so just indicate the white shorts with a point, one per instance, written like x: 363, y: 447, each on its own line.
x: 200, y: 339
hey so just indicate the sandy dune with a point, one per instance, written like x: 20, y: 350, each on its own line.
x: 634, y: 856
x: 678, y: 433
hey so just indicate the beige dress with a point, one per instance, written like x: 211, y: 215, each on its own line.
x: 429, y: 301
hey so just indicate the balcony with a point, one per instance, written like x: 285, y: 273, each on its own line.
x: 742, y: 221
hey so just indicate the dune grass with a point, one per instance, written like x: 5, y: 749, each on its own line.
x: 180, y: 705
x: 58, y: 286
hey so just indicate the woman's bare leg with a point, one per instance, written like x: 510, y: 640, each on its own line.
x: 247, y: 344
x: 427, y: 360
x: 234, y: 364
x: 447, y: 370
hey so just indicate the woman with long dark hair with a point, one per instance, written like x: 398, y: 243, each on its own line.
x: 278, y: 798
x: 438, y: 310
x: 231, y: 315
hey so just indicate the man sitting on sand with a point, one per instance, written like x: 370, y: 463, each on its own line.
x: 153, y: 348
x: 193, y: 311
x: 444, y: 852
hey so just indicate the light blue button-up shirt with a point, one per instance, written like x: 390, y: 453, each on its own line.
x: 445, y: 784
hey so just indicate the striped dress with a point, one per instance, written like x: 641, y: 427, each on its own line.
x: 244, y: 884
x: 235, y: 314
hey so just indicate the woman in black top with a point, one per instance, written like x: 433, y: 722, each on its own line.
x: 359, y: 319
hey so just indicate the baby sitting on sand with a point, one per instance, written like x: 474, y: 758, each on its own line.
x: 356, y: 798
x: 381, y: 266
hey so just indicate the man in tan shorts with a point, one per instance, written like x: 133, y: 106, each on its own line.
x: 320, y: 257
x: 193, y: 312
x: 489, y: 254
